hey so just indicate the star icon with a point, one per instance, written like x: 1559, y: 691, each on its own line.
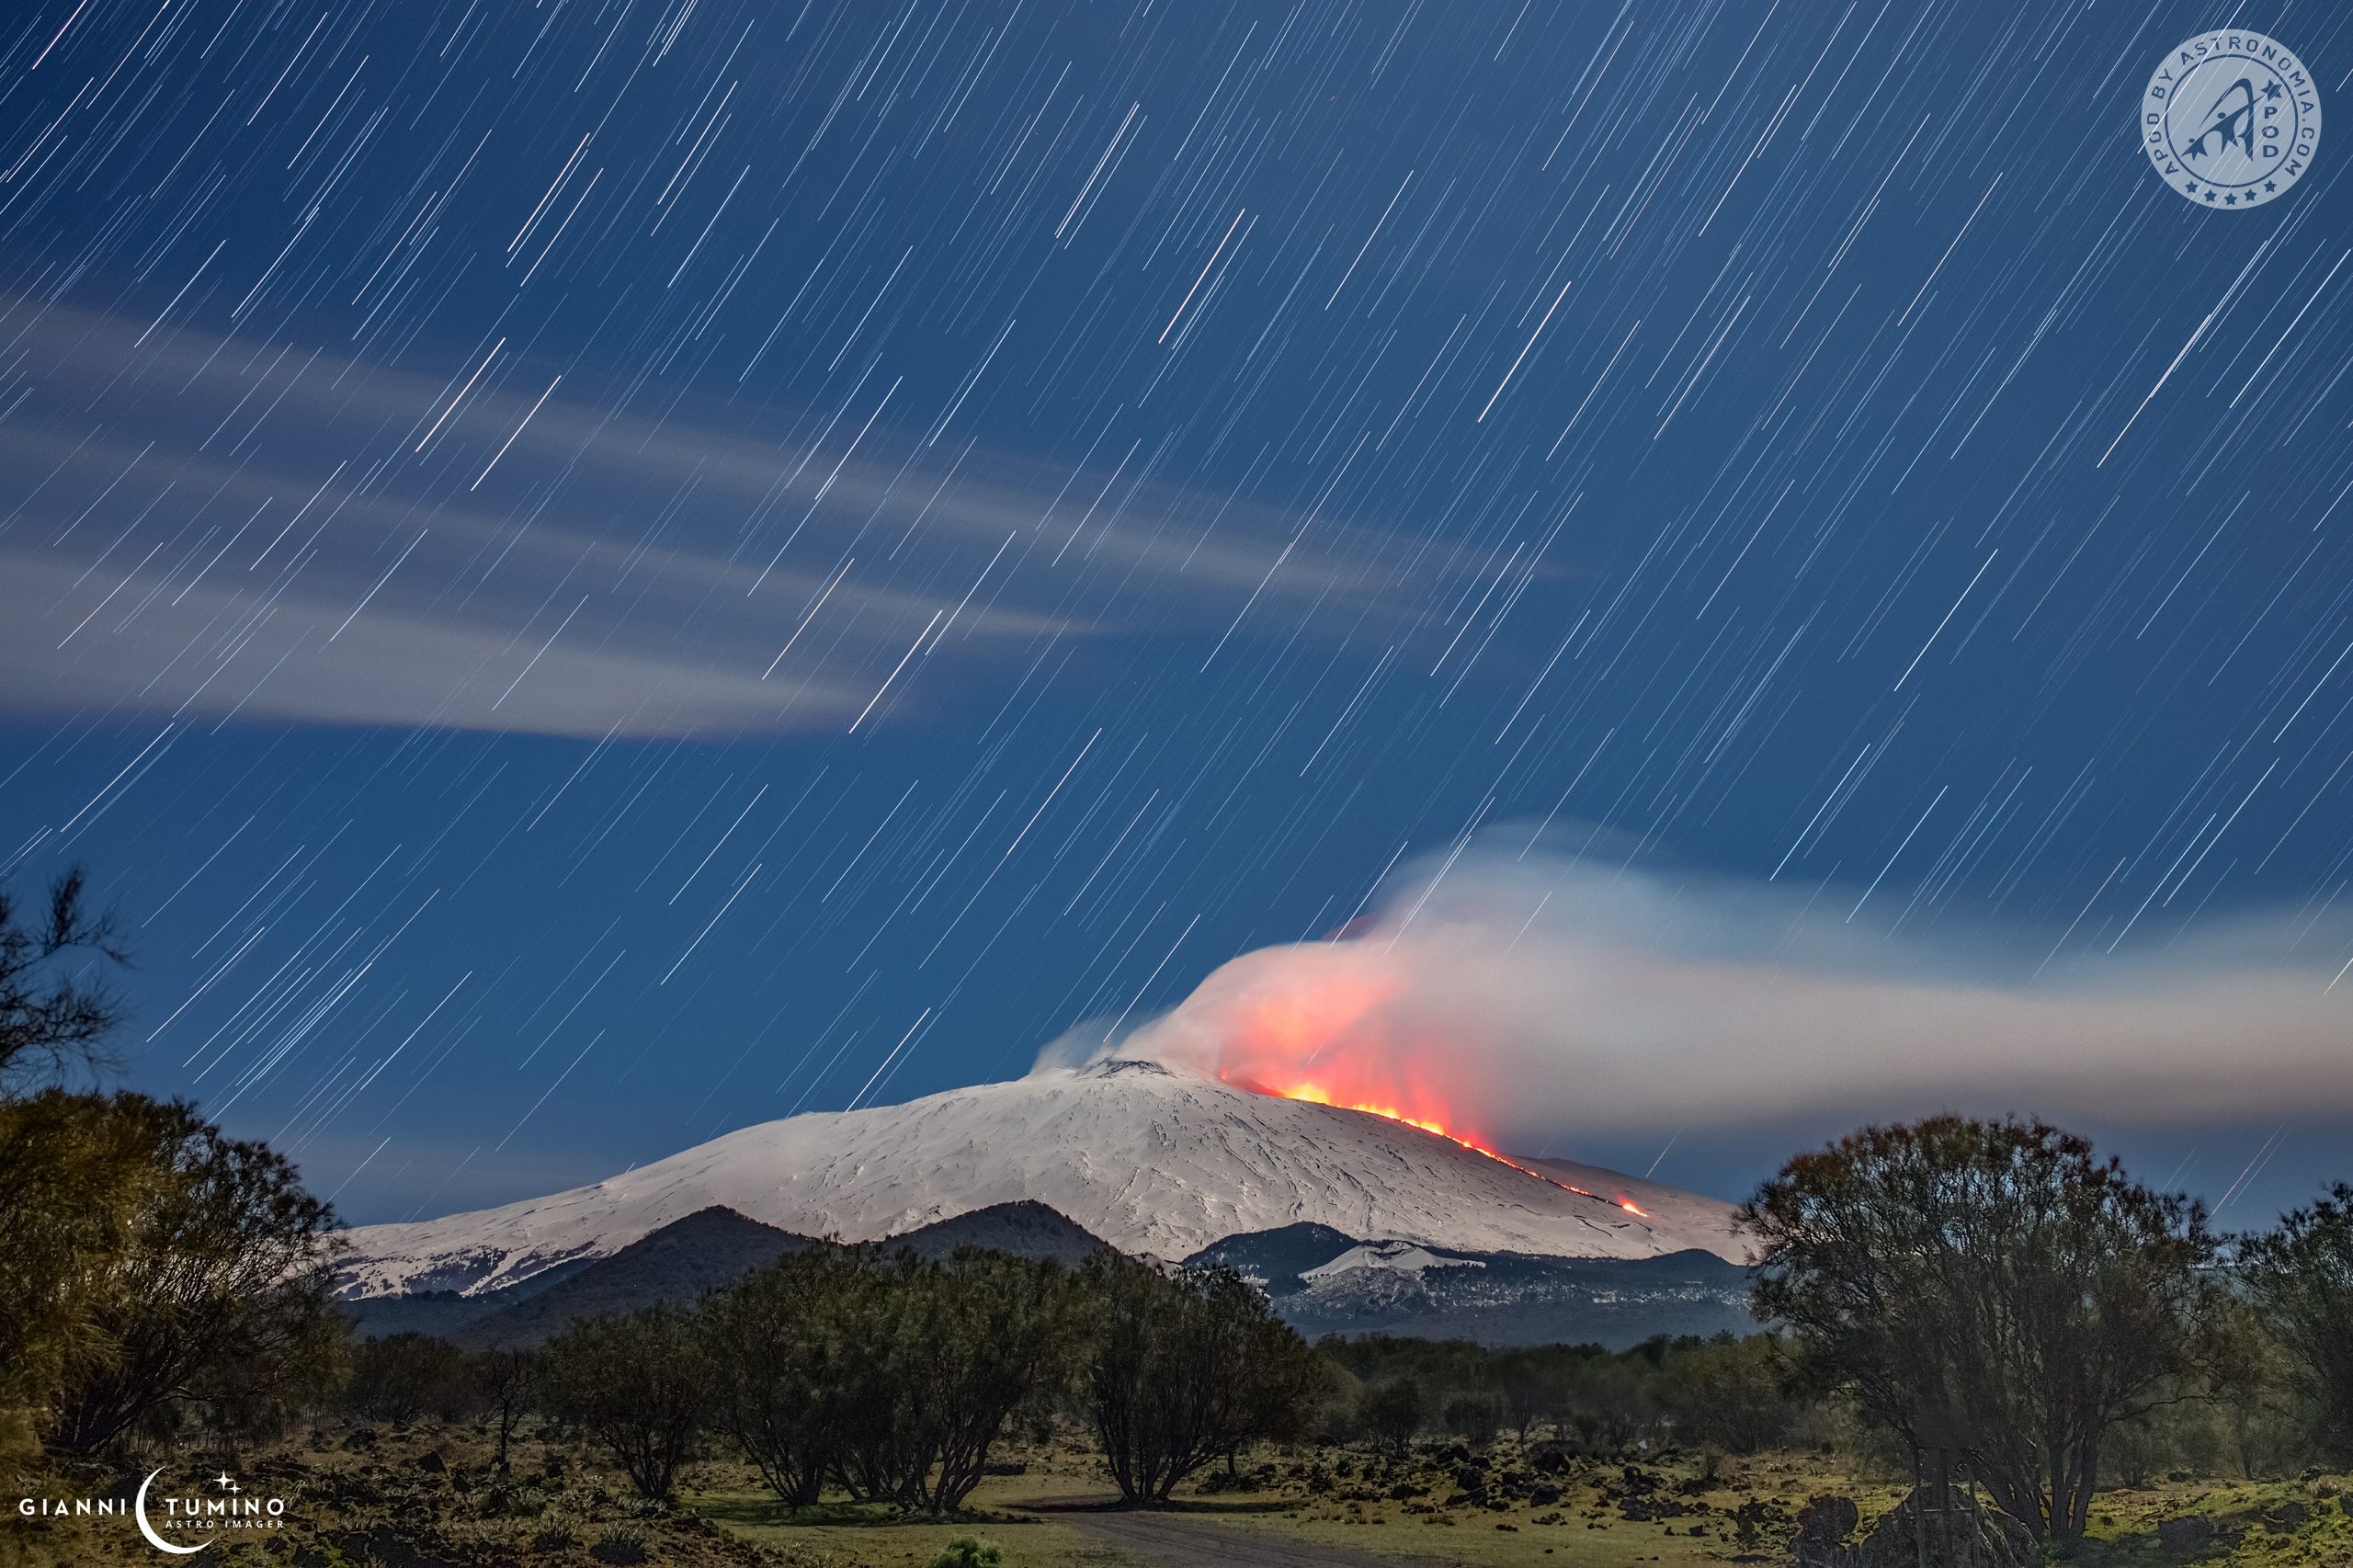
x: 2209, y: 193
x: 2230, y: 201
x: 2272, y: 91
x: 223, y: 1481
x: 2271, y: 185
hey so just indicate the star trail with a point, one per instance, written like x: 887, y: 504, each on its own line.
x: 592, y: 572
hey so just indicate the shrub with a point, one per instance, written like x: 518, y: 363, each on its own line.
x: 638, y: 1385
x: 1392, y: 1413
x: 1477, y: 1416
x: 1993, y: 1284
x: 1188, y: 1370
x: 218, y: 1302
x: 2301, y: 1276
x: 402, y: 1376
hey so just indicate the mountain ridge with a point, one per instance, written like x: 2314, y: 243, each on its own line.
x: 1133, y: 1154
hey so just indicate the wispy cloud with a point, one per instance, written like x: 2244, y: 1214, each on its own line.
x: 218, y: 528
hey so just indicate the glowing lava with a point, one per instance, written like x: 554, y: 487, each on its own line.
x: 1337, y: 1024
x: 1316, y: 1095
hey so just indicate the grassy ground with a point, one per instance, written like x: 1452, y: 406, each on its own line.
x: 2280, y: 1522
x: 1607, y: 1514
x: 419, y: 1497
x: 850, y: 1537
x: 1682, y: 1513
x: 1577, y: 1529
x: 426, y: 1497
x: 2276, y: 1523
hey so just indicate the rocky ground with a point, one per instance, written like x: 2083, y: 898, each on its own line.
x: 428, y: 1496
x: 422, y: 1497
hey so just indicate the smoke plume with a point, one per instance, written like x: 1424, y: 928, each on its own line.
x: 1502, y: 994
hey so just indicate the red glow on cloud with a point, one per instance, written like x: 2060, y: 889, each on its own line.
x: 1326, y: 1030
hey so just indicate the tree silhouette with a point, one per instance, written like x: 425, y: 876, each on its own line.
x: 1992, y: 1286
x: 2301, y: 1276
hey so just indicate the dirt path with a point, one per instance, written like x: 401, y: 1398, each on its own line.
x: 1190, y: 1541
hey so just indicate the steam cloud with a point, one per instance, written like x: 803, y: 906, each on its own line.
x: 1505, y: 995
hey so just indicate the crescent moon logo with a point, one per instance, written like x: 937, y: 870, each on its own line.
x: 139, y: 1510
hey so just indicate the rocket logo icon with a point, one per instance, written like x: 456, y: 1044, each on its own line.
x: 2230, y: 119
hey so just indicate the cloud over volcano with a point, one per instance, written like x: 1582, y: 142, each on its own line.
x: 1507, y: 995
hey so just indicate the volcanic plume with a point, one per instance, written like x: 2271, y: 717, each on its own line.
x: 1322, y: 1024
x: 1330, y: 1026
x: 1506, y: 998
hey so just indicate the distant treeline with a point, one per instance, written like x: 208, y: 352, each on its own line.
x: 1742, y: 1395
x: 891, y: 1378
x: 1735, y: 1394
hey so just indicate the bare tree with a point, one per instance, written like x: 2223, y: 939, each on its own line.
x: 1991, y: 1282
x: 54, y: 1018
x: 507, y: 1381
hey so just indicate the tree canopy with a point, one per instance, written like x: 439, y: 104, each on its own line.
x: 1184, y: 1370
x: 1990, y: 1287
x: 2300, y: 1276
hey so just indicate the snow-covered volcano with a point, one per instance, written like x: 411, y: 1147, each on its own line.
x: 1148, y: 1159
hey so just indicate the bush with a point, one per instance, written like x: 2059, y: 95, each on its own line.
x: 622, y: 1546
x: 1477, y: 1417
x: 1392, y: 1413
x: 638, y: 1385
x: 403, y: 1376
x: 71, y: 1172
x: 783, y: 1400
x: 217, y: 1306
x: 968, y: 1552
x: 2301, y: 1276
x: 1992, y: 1282
x: 1188, y: 1370
x: 72, y: 1178
x: 1730, y: 1392
x: 154, y: 1274
x: 934, y: 1362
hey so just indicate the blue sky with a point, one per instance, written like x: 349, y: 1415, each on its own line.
x: 588, y: 575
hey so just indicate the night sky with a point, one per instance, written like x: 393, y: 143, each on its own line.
x: 587, y: 574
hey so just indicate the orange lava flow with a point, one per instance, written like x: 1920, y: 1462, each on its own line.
x: 1316, y: 1095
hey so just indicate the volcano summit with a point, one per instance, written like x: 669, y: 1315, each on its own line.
x: 1147, y: 1158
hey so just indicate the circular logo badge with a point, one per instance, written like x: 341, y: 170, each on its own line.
x: 2230, y: 119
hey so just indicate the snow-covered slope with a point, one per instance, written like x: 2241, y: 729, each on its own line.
x: 1149, y: 1159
